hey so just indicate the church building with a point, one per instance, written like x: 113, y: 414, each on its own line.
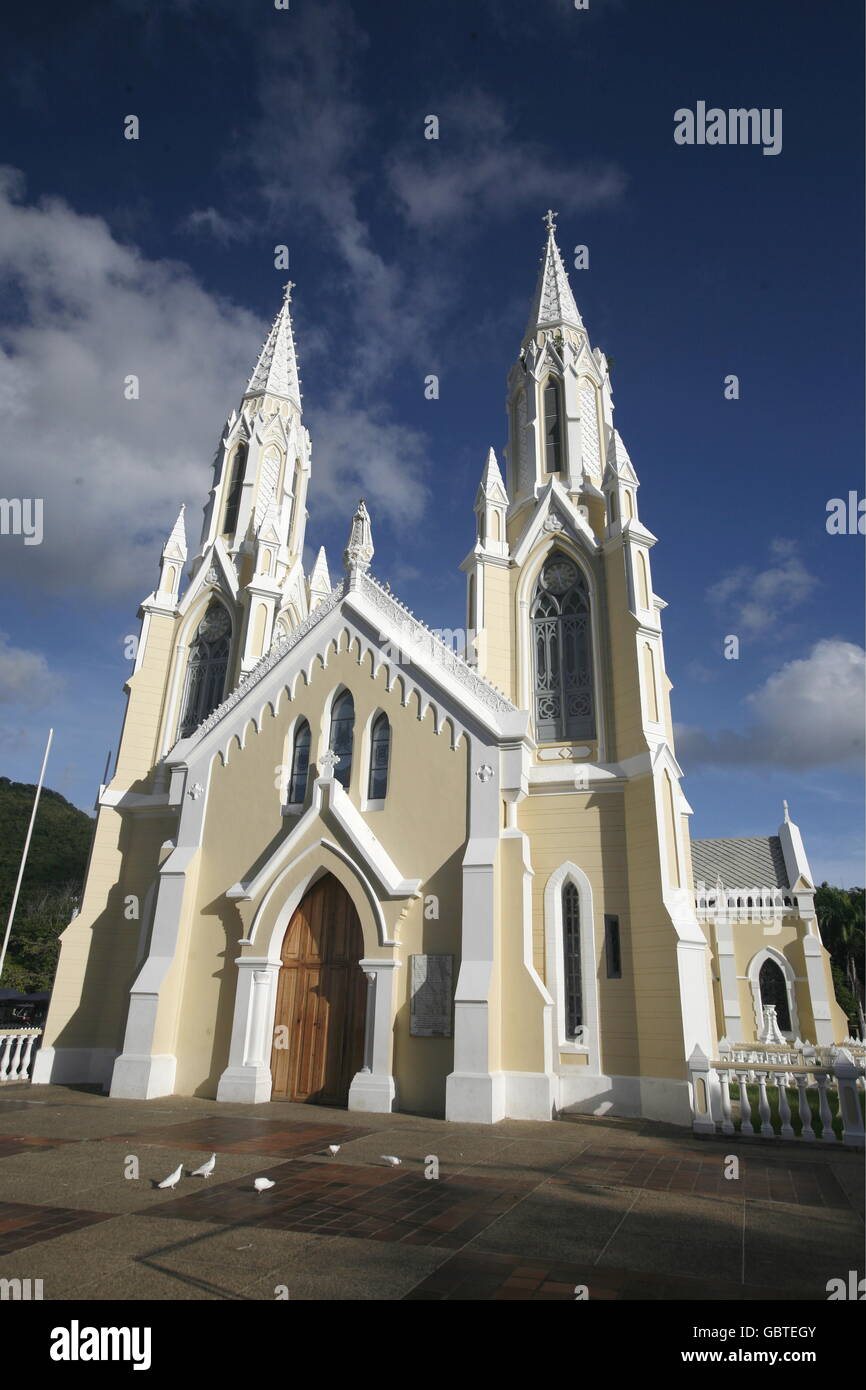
x: 340, y: 861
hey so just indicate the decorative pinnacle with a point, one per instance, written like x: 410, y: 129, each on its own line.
x: 548, y: 218
x: 787, y: 817
x: 287, y: 291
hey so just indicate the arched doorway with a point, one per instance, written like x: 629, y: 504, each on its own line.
x: 771, y: 983
x: 321, y: 999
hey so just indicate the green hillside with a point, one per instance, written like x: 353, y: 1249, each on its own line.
x: 52, y: 881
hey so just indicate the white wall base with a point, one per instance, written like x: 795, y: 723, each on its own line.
x: 478, y: 1097
x: 375, y: 1094
x: 666, y: 1100
x: 599, y: 1095
x: 61, y: 1066
x: 249, y: 1085
x: 530, y: 1095
x: 143, y: 1077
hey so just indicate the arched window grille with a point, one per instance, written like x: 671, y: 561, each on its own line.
x: 571, y: 959
x: 343, y: 736
x: 552, y: 426
x: 563, y: 652
x: 206, y: 668
x: 380, y: 752
x: 300, y: 764
x: 774, y: 990
x: 233, y: 500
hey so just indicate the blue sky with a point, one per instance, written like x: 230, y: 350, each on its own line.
x: 305, y: 127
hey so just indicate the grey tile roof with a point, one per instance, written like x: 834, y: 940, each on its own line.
x: 747, y: 863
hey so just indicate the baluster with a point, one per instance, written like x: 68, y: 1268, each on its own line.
x: 805, y: 1108
x: 725, y: 1083
x: 784, y: 1107
x: 764, y: 1106
x: 827, y: 1135
x: 745, y: 1104
x: 24, y: 1060
x: 15, y: 1050
x: 5, y: 1052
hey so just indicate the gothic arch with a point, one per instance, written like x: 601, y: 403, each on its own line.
x: 554, y: 964
x: 753, y: 974
x: 529, y: 575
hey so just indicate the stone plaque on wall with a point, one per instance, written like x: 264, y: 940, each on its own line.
x: 430, y: 1009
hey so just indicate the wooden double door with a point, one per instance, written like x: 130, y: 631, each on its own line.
x: 321, y: 999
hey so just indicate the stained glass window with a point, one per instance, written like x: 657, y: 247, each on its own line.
x: 380, y: 750
x: 562, y: 652
x: 206, y: 669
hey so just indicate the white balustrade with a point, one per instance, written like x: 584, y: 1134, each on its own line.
x: 774, y: 1072
x: 16, y: 1048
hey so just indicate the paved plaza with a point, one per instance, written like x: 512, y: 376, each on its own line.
x: 627, y: 1208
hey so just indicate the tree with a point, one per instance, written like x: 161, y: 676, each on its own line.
x: 841, y: 921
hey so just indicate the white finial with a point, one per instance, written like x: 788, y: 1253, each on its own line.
x: 787, y: 817
x: 548, y: 218
x: 287, y: 291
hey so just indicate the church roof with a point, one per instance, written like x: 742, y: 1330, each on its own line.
x: 753, y: 862
x: 554, y: 302
x: 276, y: 372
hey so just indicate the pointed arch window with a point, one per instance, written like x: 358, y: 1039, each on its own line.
x: 207, y: 668
x: 774, y: 990
x: 342, y: 736
x: 562, y: 646
x: 380, y: 754
x: 300, y: 764
x: 233, y: 499
x: 552, y: 425
x: 571, y: 960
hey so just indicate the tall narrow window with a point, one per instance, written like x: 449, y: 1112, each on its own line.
x: 563, y: 652
x: 613, y: 956
x: 380, y: 752
x: 774, y: 990
x: 343, y: 736
x: 233, y: 500
x: 552, y: 427
x: 300, y: 764
x: 206, y: 668
x: 571, y: 955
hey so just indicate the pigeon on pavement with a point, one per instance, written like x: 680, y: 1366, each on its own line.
x: 389, y: 1158
x: 333, y: 1150
x: 262, y: 1184
x: 206, y: 1168
x: 173, y: 1178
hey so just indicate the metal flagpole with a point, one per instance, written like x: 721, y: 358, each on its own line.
x: 24, y: 855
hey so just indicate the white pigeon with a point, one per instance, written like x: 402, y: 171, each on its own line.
x: 389, y: 1158
x: 173, y: 1178
x: 334, y: 1149
x: 262, y: 1184
x: 206, y: 1168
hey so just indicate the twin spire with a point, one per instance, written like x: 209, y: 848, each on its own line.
x: 276, y: 372
x: 554, y: 302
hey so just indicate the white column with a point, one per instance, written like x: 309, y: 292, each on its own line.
x: 373, y: 1087
x: 817, y: 978
x: 247, y: 1078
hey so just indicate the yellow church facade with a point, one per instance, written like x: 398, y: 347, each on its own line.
x: 341, y: 862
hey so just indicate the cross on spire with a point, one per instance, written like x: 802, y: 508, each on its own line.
x: 548, y: 218
x: 287, y: 291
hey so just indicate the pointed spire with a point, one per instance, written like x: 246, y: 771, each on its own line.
x: 276, y: 372
x: 491, y: 477
x: 554, y: 302
x: 320, y: 579
x: 175, y: 546
x: 359, y: 552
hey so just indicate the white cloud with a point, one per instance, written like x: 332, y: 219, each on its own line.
x: 25, y: 677
x: 85, y: 312
x: 809, y: 713
x: 758, y: 599
x: 225, y: 230
x: 479, y: 167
